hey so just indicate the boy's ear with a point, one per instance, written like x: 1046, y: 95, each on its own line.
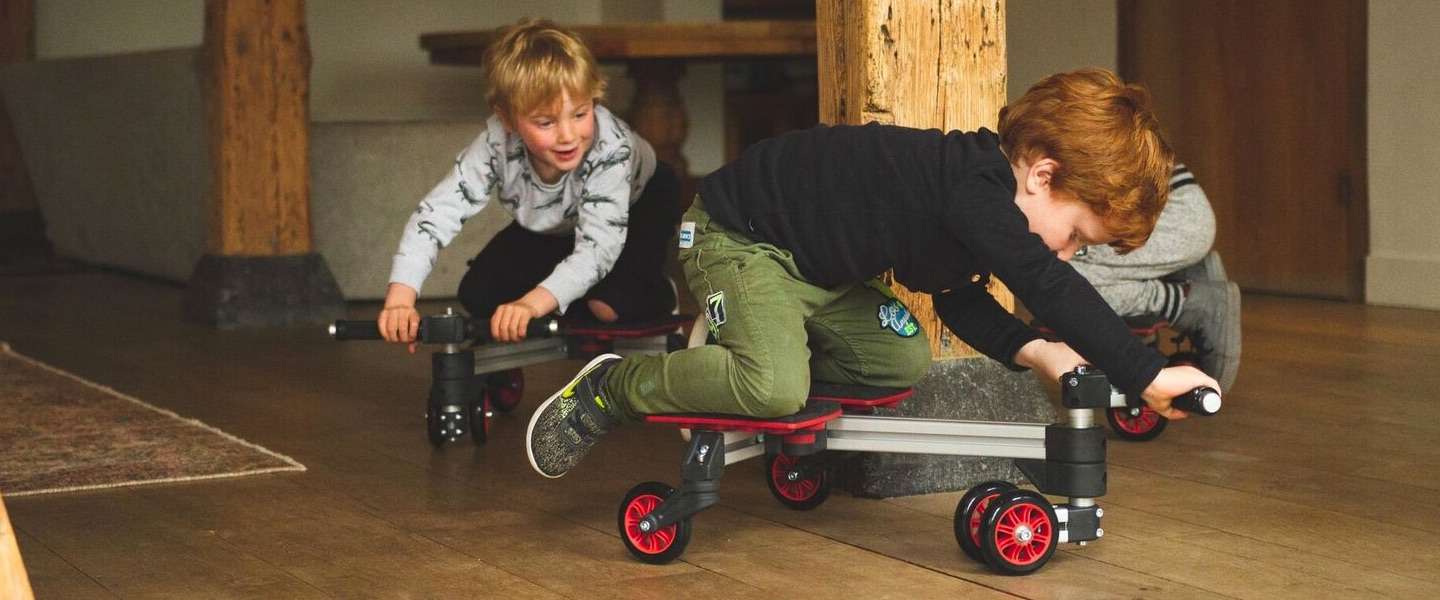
x: 1039, y: 174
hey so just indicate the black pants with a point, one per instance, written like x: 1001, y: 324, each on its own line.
x: 517, y: 260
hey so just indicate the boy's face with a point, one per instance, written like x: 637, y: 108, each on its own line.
x: 1064, y: 222
x: 557, y: 136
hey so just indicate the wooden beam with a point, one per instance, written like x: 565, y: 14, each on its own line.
x: 14, y: 582
x: 17, y: 44
x: 260, y: 268
x: 933, y: 63
x: 258, y: 56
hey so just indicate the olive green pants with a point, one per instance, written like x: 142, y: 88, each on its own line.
x: 774, y: 331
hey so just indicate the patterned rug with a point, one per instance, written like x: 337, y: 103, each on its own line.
x: 61, y: 433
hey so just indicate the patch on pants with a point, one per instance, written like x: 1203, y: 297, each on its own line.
x: 715, y: 311
x: 895, y: 317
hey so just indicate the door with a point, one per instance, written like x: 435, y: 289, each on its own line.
x: 1265, y: 101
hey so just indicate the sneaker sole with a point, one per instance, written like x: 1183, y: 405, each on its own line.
x: 530, y: 429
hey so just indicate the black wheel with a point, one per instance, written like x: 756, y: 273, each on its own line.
x: 656, y: 547
x: 800, y: 483
x: 480, y: 413
x: 444, y: 423
x: 1136, y: 424
x: 1018, y: 532
x: 968, y: 511
x: 506, y: 389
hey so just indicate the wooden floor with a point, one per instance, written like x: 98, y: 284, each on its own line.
x: 1321, y: 479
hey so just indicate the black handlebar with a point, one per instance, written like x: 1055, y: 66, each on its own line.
x: 1203, y: 401
x: 440, y: 329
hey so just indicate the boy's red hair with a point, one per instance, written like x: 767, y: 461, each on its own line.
x: 1107, y: 140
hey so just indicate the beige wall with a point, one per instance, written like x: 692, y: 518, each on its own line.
x: 1403, y: 268
x: 1050, y: 36
x: 368, y: 65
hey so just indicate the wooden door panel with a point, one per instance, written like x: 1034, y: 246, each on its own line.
x: 1264, y: 101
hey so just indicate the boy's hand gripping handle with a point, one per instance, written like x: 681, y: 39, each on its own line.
x: 1203, y: 401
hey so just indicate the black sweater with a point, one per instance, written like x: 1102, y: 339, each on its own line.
x: 939, y: 209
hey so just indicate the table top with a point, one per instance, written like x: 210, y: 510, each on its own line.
x: 660, y: 40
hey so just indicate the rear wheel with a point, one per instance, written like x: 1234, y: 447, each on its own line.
x: 1136, y: 424
x: 800, y: 483
x: 506, y: 389
x: 480, y: 415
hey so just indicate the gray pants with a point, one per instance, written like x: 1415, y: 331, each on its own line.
x: 1131, y: 283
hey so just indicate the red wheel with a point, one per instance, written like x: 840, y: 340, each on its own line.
x: 655, y: 547
x: 480, y: 415
x: 968, y: 511
x: 506, y: 389
x: 798, y: 483
x: 1018, y: 532
x: 1138, y: 424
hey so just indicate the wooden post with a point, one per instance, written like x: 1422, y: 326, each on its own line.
x: 14, y: 582
x: 933, y: 63
x: 940, y: 64
x: 260, y: 267
x: 22, y: 231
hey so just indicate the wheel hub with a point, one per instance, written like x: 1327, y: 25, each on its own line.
x: 1023, y: 534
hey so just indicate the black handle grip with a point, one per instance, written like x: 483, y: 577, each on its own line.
x: 1202, y: 401
x: 440, y: 329
x: 542, y: 327
x: 355, y: 330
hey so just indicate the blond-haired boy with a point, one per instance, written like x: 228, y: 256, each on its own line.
x: 593, y: 208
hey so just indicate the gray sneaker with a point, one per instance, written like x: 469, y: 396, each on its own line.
x: 569, y: 423
x: 1210, y: 268
x: 1211, y: 317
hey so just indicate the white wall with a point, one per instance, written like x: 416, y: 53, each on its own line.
x: 1403, y: 268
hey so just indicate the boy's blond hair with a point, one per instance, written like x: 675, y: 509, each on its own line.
x: 1107, y: 140
x: 530, y: 63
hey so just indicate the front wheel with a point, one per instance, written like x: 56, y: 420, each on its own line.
x: 444, y: 423
x: 654, y: 547
x: 968, y: 511
x: 1018, y: 532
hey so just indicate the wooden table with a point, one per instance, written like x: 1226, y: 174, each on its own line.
x: 655, y: 55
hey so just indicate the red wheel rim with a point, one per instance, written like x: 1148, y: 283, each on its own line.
x: 485, y: 409
x: 975, y: 515
x: 1023, y: 534
x: 799, y: 490
x: 649, y: 543
x: 510, y: 393
x: 1135, y: 424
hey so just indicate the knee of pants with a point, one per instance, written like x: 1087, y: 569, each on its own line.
x: 916, y: 359
x: 768, y: 393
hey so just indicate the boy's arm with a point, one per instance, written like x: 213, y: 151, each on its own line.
x: 461, y: 194
x: 992, y: 227
x: 975, y: 317
x: 603, y: 221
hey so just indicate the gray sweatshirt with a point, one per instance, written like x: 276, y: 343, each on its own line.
x: 593, y: 201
